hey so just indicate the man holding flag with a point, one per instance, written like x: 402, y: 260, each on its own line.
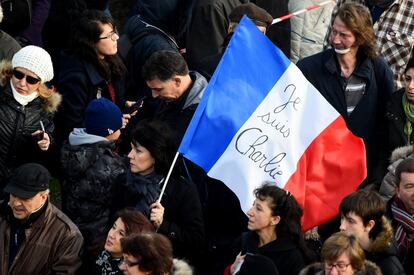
x: 257, y: 122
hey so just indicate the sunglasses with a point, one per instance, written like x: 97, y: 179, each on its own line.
x: 29, y: 79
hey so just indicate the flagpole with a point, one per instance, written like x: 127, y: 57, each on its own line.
x: 284, y: 17
x: 168, y: 176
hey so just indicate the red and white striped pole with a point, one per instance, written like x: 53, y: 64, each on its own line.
x: 287, y: 16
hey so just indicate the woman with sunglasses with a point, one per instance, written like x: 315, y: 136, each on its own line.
x: 128, y: 221
x: 342, y: 254
x: 90, y: 69
x: 27, y: 108
x: 275, y: 231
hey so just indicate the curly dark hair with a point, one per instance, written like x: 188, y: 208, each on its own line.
x: 283, y: 204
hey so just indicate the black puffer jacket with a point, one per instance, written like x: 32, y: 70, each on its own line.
x: 88, y: 174
x: 17, y: 123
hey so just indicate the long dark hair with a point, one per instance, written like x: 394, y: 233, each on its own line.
x: 283, y: 204
x: 86, y: 34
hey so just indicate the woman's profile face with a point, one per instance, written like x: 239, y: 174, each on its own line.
x: 20, y: 83
x: 409, y: 84
x: 107, y: 44
x: 141, y: 160
x: 260, y: 215
x: 113, y: 239
x: 342, y: 265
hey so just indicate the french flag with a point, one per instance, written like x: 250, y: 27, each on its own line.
x: 261, y: 121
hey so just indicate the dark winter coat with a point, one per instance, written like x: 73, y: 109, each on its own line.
x: 395, y: 119
x: 53, y: 245
x: 318, y: 269
x: 172, y: 16
x: 278, y: 33
x: 368, y: 118
x: 284, y: 253
x: 89, y: 172
x: 209, y: 26
x: 79, y: 82
x: 145, y: 40
x: 25, y: 19
x: 8, y: 46
x: 17, y: 123
x: 183, y: 220
x: 383, y: 252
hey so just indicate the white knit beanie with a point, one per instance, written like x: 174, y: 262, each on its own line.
x: 34, y: 59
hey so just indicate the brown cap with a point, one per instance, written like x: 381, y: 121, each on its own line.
x: 258, y: 15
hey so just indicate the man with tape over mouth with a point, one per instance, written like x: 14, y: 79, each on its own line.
x: 35, y: 236
x: 355, y: 81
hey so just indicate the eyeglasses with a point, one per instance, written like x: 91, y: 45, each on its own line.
x: 341, y: 267
x: 113, y: 35
x: 29, y: 79
x: 127, y: 263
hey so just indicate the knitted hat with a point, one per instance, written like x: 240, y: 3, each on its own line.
x: 34, y: 59
x: 259, y: 16
x: 102, y: 117
x: 28, y: 180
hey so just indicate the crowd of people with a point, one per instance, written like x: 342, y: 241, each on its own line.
x: 96, y: 97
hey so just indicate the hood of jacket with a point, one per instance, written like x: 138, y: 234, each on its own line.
x: 401, y: 152
x: 383, y: 242
x: 50, y: 104
x: 79, y: 136
x: 180, y: 267
x: 197, y: 89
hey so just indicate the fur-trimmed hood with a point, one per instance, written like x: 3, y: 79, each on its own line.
x: 317, y: 269
x: 180, y: 267
x: 384, y: 239
x: 51, y: 103
x: 401, y: 152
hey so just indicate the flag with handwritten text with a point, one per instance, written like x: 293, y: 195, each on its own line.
x: 261, y: 121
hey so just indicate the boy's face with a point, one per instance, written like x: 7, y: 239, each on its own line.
x: 352, y: 224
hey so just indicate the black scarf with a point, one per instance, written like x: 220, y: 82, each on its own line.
x: 18, y: 229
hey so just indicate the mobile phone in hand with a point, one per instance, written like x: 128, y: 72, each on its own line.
x: 138, y: 105
x: 41, y: 135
